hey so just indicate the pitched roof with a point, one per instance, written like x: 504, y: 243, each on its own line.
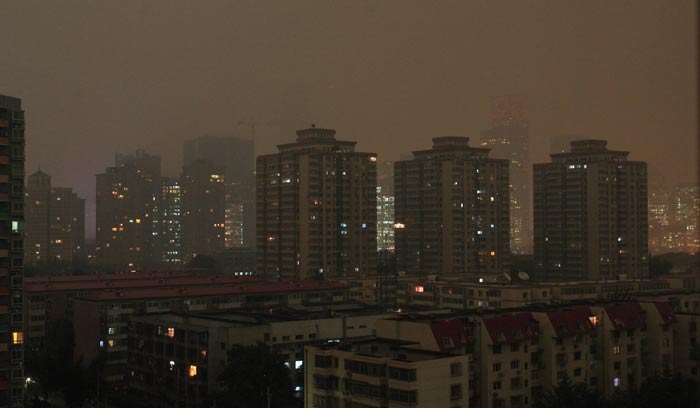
x: 626, y: 316
x: 665, y: 311
x: 511, y: 328
x: 572, y: 322
x: 453, y: 329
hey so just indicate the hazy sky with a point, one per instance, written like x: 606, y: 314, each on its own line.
x: 98, y: 77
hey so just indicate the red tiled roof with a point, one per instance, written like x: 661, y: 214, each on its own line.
x: 665, y: 311
x: 626, y: 316
x: 167, y: 281
x: 110, y: 276
x: 570, y: 323
x: 454, y: 329
x: 253, y: 289
x: 511, y: 328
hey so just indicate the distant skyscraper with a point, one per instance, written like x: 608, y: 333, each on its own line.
x: 685, y: 218
x: 316, y: 209
x: 452, y: 211
x: 55, y: 226
x: 127, y: 195
x: 168, y: 223
x: 385, y: 206
x: 237, y: 158
x: 659, y: 222
x: 591, y: 218
x: 508, y: 139
x: 11, y: 249
x: 203, y: 212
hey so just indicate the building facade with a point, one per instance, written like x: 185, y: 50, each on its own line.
x: 452, y: 211
x: 316, y: 209
x: 55, y: 222
x: 384, y: 373
x: 126, y: 196
x: 11, y: 251
x: 508, y: 139
x: 591, y: 219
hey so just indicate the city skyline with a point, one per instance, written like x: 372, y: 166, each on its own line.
x: 604, y: 75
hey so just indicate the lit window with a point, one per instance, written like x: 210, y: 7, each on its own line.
x: 17, y: 337
x: 419, y: 289
x: 110, y: 343
x: 593, y: 320
x: 193, y: 370
x: 616, y: 349
x: 616, y: 382
x: 171, y: 332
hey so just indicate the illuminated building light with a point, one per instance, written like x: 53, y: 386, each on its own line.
x: 399, y: 225
x: 171, y: 332
x: 419, y: 289
x: 17, y: 337
x: 373, y: 159
x: 193, y: 370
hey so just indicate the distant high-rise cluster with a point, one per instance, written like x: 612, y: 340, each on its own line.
x: 590, y: 215
x: 673, y: 220
x: 508, y: 138
x: 147, y: 221
x: 11, y: 251
x: 55, y: 227
x: 316, y: 209
x: 452, y: 211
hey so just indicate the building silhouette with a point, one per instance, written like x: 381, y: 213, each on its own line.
x: 591, y: 219
x: 237, y: 158
x: 11, y: 250
x: 55, y: 222
x: 126, y: 196
x: 452, y: 211
x: 316, y: 209
x: 203, y: 221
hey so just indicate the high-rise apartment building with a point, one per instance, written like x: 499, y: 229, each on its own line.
x: 452, y: 211
x: 237, y: 158
x: 126, y: 196
x: 591, y: 218
x: 203, y: 214
x: 239, y: 203
x: 55, y: 222
x: 11, y: 251
x: 316, y: 209
x: 385, y: 207
x: 168, y: 223
x: 508, y: 139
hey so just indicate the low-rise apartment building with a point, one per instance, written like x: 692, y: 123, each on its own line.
x: 383, y: 373
x: 101, y: 319
x: 175, y: 359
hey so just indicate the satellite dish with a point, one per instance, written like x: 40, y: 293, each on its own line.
x: 523, y: 276
x: 507, y: 276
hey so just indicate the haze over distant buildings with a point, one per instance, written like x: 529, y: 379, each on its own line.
x: 388, y: 73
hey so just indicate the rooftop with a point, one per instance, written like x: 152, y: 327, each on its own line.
x: 385, y: 348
